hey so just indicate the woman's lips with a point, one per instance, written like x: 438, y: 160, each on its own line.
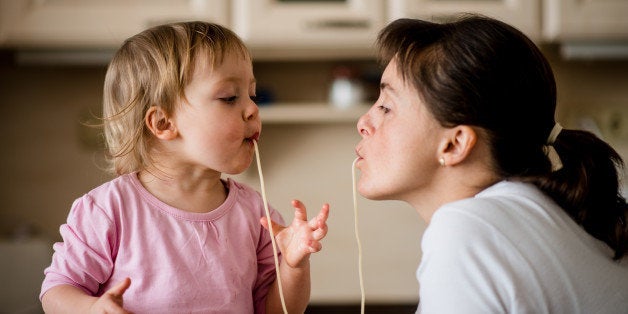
x: 358, y: 159
x: 357, y: 152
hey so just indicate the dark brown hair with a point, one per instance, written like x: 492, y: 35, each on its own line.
x: 482, y: 72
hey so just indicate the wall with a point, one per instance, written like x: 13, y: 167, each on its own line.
x: 48, y: 159
x: 596, y: 90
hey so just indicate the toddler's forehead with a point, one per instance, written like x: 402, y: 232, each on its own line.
x: 211, y: 58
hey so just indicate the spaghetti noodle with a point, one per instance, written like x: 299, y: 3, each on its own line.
x: 270, y: 226
x: 357, y: 236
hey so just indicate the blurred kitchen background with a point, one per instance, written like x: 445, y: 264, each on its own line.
x: 316, y: 72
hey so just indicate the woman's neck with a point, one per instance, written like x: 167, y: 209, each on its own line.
x: 452, y: 184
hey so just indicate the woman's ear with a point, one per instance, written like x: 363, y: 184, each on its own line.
x: 159, y: 123
x: 458, y: 145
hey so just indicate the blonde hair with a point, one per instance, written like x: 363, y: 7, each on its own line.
x: 152, y: 68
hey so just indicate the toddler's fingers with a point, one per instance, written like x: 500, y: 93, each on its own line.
x: 300, y: 212
x: 321, y: 219
x: 119, y: 289
x: 319, y: 234
x: 315, y: 246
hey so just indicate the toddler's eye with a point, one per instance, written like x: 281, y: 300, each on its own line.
x: 229, y: 100
x: 384, y: 109
x: 254, y: 98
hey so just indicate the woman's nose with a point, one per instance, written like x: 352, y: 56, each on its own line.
x: 363, y: 125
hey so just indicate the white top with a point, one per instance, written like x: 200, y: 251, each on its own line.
x: 511, y: 249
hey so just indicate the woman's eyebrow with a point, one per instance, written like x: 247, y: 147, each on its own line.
x: 385, y: 86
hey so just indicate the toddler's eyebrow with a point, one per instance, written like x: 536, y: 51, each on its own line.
x: 236, y: 79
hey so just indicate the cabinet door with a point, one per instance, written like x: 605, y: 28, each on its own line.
x: 310, y: 24
x: 95, y: 23
x: 522, y: 14
x: 583, y: 20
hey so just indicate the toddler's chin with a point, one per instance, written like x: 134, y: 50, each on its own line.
x: 237, y: 169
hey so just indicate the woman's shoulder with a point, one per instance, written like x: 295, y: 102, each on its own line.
x: 499, y: 209
x: 503, y: 200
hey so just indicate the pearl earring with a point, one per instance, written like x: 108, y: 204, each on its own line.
x: 441, y: 161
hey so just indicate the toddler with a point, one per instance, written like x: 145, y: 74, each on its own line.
x: 168, y: 234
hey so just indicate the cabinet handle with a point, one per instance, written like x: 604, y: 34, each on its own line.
x: 338, y: 24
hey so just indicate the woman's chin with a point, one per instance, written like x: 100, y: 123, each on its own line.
x: 373, y: 193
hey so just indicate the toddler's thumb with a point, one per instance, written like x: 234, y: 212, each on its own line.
x: 119, y: 289
x: 276, y: 227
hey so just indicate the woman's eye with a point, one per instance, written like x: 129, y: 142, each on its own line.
x: 384, y: 109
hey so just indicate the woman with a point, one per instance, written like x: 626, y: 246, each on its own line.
x: 523, y: 216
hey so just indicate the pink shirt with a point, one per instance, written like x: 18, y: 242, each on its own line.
x: 178, y: 262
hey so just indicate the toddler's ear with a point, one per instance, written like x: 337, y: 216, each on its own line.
x: 158, y: 122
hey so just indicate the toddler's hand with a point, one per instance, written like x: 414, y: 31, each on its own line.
x: 111, y: 301
x: 298, y: 240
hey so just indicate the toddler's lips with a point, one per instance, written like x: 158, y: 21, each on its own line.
x: 254, y: 137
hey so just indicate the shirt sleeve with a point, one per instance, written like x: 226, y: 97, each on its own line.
x: 84, y: 258
x: 265, y: 265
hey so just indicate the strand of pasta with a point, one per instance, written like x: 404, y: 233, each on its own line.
x: 270, y: 226
x: 357, y: 236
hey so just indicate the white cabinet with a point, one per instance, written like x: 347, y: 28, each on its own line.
x: 339, y: 26
x: 523, y: 14
x: 568, y: 20
x: 95, y: 23
x: 284, y: 29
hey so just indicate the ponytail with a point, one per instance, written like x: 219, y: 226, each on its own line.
x: 588, y: 185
